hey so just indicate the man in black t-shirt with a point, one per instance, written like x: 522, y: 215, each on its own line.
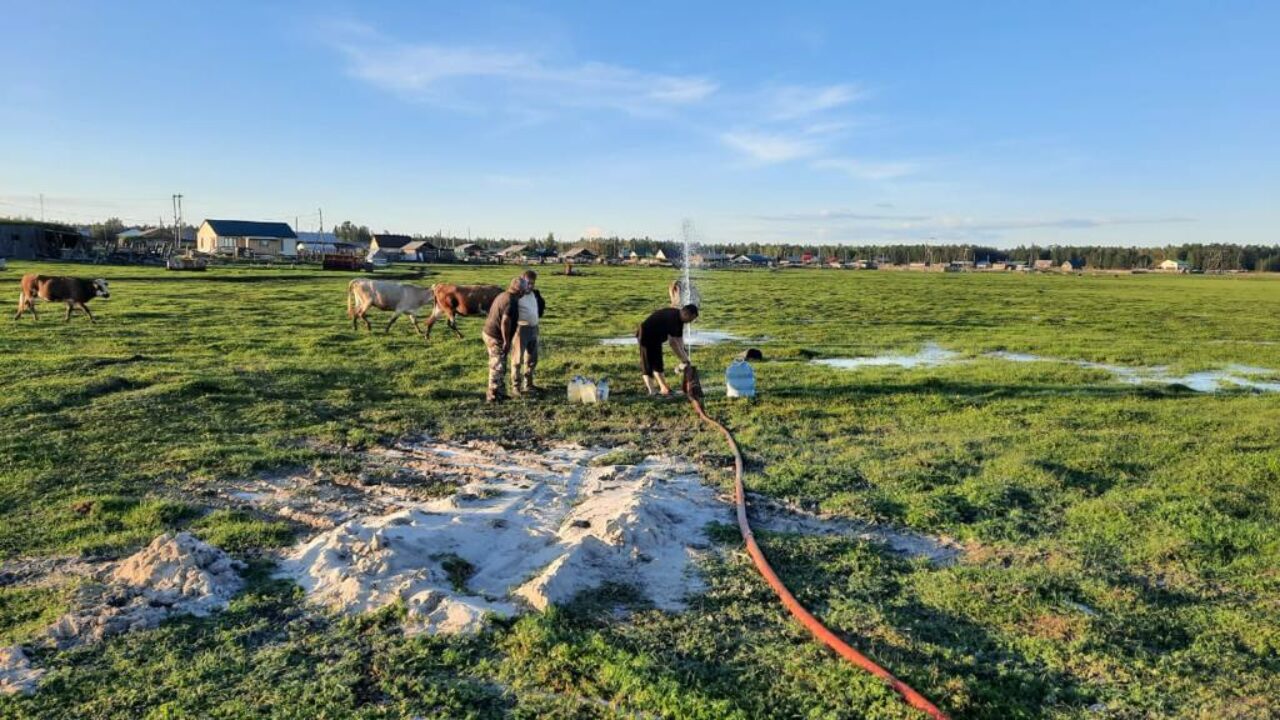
x: 665, y: 325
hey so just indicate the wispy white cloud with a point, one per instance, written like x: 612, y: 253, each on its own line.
x: 508, y: 180
x: 766, y: 125
x: 867, y: 169
x: 449, y: 75
x: 799, y: 101
x: 853, y: 225
x: 830, y: 215
x: 973, y: 223
x: 768, y: 148
x: 813, y: 123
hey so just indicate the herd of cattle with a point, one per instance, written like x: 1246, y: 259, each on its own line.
x: 444, y: 299
x: 399, y: 299
x: 402, y: 299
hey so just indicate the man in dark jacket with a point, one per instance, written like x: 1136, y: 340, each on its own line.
x: 500, y: 329
x: 524, y: 351
x: 663, y: 326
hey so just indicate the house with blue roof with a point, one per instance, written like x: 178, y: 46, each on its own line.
x: 246, y: 238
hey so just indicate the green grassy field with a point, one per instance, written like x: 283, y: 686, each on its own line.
x: 1123, y: 558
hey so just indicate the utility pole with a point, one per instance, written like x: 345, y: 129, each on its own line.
x: 320, y: 211
x: 177, y: 233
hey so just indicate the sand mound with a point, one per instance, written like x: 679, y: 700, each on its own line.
x: 16, y: 673
x: 174, y: 574
x: 525, y: 529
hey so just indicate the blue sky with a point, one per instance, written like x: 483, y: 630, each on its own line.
x: 986, y: 122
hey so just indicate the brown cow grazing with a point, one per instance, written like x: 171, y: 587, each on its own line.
x: 465, y: 300
x: 400, y: 299
x: 72, y: 291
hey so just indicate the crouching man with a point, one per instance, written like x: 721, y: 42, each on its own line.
x: 500, y: 329
x: 663, y: 326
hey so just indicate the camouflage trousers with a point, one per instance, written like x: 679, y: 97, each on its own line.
x: 524, y: 358
x: 497, y: 369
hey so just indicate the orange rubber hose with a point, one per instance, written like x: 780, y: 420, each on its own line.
x: 815, y: 626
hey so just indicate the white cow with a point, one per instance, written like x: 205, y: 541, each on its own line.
x: 399, y: 298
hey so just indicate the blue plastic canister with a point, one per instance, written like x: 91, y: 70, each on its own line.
x: 740, y: 380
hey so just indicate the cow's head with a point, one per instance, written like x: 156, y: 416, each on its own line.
x: 100, y: 288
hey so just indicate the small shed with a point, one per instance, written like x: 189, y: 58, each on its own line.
x: 471, y: 252
x: 420, y: 251
x: 516, y: 253
x: 391, y: 245
x: 28, y: 239
x: 755, y: 259
x: 709, y: 259
x: 581, y: 254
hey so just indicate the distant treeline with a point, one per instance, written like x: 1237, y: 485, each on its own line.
x: 1215, y: 257
x: 1211, y: 258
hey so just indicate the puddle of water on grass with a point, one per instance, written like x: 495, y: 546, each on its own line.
x: 1205, y: 381
x: 696, y: 337
x: 929, y: 356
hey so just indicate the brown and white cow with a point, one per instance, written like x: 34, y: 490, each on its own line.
x: 55, y: 288
x: 399, y: 298
x: 466, y: 300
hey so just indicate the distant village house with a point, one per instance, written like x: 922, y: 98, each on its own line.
x: 246, y: 237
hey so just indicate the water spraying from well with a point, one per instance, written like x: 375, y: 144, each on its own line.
x: 687, y: 296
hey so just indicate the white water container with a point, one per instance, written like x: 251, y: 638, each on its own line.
x: 740, y: 380
x: 602, y: 390
x: 575, y: 389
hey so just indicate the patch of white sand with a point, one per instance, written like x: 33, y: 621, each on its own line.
x: 773, y: 516
x: 929, y: 356
x: 175, y: 574
x: 16, y: 673
x: 530, y: 530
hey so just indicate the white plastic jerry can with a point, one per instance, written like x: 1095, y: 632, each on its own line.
x: 602, y: 390
x: 740, y: 380
x: 575, y: 388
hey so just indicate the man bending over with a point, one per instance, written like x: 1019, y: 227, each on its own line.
x: 663, y: 326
